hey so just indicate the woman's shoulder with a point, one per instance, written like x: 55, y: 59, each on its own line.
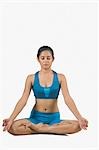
x: 61, y: 77
x: 30, y: 78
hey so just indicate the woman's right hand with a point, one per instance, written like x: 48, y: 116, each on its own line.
x: 7, y: 124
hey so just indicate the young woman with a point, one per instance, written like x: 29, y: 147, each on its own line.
x: 45, y: 116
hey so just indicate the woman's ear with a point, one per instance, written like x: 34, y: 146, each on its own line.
x: 53, y: 58
x: 37, y: 59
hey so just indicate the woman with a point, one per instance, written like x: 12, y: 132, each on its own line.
x: 45, y: 116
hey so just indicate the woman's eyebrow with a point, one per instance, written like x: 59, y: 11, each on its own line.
x: 45, y: 56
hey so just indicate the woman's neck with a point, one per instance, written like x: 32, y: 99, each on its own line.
x: 45, y: 71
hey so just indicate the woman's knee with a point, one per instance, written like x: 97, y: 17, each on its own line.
x: 13, y: 129
x: 76, y: 126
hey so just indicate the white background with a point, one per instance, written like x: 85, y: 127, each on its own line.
x: 71, y: 30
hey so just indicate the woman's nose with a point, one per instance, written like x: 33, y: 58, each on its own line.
x: 45, y: 59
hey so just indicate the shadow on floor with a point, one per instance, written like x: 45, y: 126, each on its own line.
x: 49, y: 134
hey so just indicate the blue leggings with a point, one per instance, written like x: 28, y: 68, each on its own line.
x: 45, y: 118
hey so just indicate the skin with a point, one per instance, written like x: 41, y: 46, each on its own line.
x: 25, y: 127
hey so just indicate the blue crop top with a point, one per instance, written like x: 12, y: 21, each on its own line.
x: 41, y: 92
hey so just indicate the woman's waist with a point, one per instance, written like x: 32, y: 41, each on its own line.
x: 47, y: 108
x: 48, y: 99
x: 44, y: 116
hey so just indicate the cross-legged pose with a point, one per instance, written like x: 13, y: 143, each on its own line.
x: 45, y: 115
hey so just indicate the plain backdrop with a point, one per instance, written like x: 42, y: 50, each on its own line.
x: 71, y: 30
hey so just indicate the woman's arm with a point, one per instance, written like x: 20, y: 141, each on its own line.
x: 68, y: 99
x: 70, y: 103
x: 23, y: 100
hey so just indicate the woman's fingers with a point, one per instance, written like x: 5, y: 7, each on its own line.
x: 7, y: 124
x: 84, y: 126
x: 5, y: 128
x: 83, y: 123
x: 5, y: 121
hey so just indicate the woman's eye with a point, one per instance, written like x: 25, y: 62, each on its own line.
x: 42, y: 58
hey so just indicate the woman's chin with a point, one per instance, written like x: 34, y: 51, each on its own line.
x: 46, y: 67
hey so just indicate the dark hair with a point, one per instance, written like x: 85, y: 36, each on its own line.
x: 44, y: 48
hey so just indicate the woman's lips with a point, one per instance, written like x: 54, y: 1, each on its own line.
x: 46, y: 64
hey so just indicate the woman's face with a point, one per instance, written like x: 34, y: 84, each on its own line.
x: 45, y: 59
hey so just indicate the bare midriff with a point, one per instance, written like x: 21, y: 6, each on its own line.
x: 46, y: 105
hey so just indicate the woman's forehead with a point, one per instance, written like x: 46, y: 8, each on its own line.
x: 45, y: 53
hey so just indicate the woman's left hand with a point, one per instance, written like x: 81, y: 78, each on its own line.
x: 83, y: 123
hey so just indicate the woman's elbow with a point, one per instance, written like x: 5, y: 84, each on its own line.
x: 68, y: 99
x: 23, y: 101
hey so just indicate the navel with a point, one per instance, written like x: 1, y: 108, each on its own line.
x: 45, y: 109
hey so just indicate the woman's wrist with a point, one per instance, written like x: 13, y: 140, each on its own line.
x: 79, y: 117
x: 12, y: 119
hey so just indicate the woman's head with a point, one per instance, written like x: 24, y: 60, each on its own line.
x: 45, y: 56
x: 45, y: 48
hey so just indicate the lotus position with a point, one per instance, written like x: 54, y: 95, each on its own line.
x: 45, y: 116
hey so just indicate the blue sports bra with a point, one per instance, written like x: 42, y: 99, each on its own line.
x: 41, y: 92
